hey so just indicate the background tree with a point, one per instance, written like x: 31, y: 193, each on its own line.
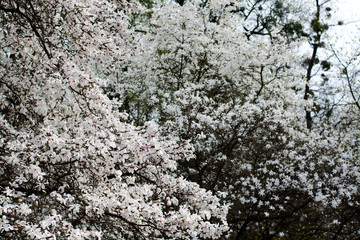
x: 294, y: 20
x: 235, y: 99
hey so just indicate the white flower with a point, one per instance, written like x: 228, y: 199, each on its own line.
x: 75, y: 208
x: 20, y: 179
x: 4, y: 225
x: 36, y: 172
x: 24, y: 209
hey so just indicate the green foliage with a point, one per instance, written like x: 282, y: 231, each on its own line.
x: 278, y: 9
x: 318, y: 27
x: 138, y: 19
x: 294, y: 29
x: 147, y: 3
x: 328, y: 9
x: 325, y: 65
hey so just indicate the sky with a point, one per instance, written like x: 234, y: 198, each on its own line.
x: 346, y: 36
x: 349, y: 9
x: 349, y: 12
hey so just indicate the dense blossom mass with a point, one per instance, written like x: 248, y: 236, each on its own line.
x: 71, y: 168
x: 172, y: 120
x: 238, y: 99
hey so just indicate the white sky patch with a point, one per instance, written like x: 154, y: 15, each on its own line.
x: 347, y: 11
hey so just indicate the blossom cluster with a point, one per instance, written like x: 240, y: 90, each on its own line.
x: 70, y: 166
x: 237, y: 101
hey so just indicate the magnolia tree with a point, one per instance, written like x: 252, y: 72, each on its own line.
x: 236, y: 102
x: 71, y: 168
x: 345, y: 107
